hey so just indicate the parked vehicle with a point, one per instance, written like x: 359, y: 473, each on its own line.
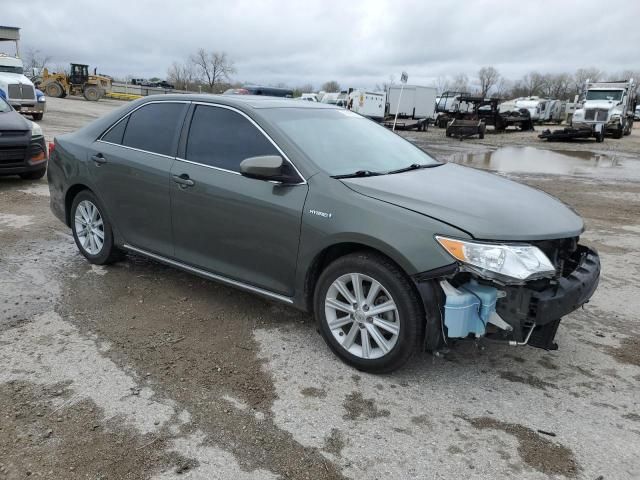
x: 539, y: 108
x: 368, y: 104
x: 636, y: 115
x: 416, y: 101
x: 78, y: 82
x: 23, y: 150
x: 449, y: 104
x: 16, y: 88
x: 339, y: 99
x: 611, y: 103
x: 309, y: 97
x: 317, y: 207
x: 258, y: 90
x: 164, y: 84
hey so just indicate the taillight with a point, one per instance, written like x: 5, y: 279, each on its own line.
x: 52, y: 147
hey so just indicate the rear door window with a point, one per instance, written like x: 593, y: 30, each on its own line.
x: 222, y: 138
x: 117, y: 132
x: 155, y: 127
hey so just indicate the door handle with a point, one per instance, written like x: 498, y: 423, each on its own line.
x: 98, y: 159
x: 183, y: 180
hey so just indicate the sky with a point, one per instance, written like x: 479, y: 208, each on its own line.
x: 357, y: 43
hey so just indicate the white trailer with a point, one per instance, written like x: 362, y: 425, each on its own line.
x: 368, y: 104
x: 416, y: 101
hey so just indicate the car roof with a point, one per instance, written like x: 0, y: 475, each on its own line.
x: 251, y: 101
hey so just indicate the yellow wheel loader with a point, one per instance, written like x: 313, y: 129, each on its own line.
x: 78, y: 82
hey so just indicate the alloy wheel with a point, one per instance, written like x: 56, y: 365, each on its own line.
x: 89, y: 227
x: 362, y: 316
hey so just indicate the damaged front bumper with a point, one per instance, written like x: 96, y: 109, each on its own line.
x: 475, y: 307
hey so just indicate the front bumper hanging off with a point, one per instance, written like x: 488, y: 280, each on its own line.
x: 524, y: 306
x: 531, y: 312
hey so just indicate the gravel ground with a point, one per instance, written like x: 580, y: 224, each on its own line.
x: 138, y: 370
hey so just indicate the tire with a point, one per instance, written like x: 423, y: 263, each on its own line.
x: 387, y: 351
x: 618, y: 132
x: 37, y: 116
x: 629, y: 127
x: 54, y: 89
x: 35, y: 175
x: 91, y: 93
x: 89, y: 245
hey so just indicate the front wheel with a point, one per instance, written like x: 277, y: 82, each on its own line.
x: 37, y: 116
x: 92, y: 230
x: 369, y: 312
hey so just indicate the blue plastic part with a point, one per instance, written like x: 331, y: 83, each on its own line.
x: 468, y: 308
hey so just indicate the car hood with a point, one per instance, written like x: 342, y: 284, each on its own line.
x: 485, y: 205
x: 12, y: 121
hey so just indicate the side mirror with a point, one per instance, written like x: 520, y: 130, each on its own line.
x: 266, y: 167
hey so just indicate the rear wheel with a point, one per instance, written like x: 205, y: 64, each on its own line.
x: 369, y: 312
x: 92, y: 230
x: 35, y: 175
x: 91, y: 93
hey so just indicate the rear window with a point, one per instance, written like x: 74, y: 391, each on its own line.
x: 154, y: 127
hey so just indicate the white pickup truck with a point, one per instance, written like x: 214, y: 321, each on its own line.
x: 17, y: 89
x: 609, y: 103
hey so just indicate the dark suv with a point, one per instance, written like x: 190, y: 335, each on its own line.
x: 320, y: 208
x: 23, y: 150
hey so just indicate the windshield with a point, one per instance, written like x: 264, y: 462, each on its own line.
x: 615, y: 95
x: 4, y: 106
x: 10, y: 69
x: 341, y: 142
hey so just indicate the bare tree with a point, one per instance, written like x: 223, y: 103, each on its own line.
x: 488, y: 77
x: 556, y: 86
x: 502, y: 88
x: 214, y: 67
x: 331, y: 86
x: 441, y: 84
x: 532, y: 83
x: 384, y: 86
x: 584, y: 74
x: 35, y: 59
x: 182, y: 75
x: 460, y: 83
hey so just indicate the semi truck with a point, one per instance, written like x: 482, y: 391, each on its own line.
x: 15, y: 87
x: 609, y: 103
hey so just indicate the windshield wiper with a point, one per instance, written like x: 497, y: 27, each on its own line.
x: 414, y: 166
x: 359, y: 173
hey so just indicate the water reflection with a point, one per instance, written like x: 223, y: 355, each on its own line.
x: 533, y: 160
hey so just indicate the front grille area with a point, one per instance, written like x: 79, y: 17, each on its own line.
x: 13, y: 133
x: 12, y: 156
x: 596, y: 114
x: 561, y: 253
x: 19, y: 91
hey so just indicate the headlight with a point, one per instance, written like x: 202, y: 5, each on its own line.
x: 42, y: 99
x: 507, y: 263
x: 36, y: 130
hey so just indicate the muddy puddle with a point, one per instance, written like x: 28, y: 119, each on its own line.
x: 549, y: 162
